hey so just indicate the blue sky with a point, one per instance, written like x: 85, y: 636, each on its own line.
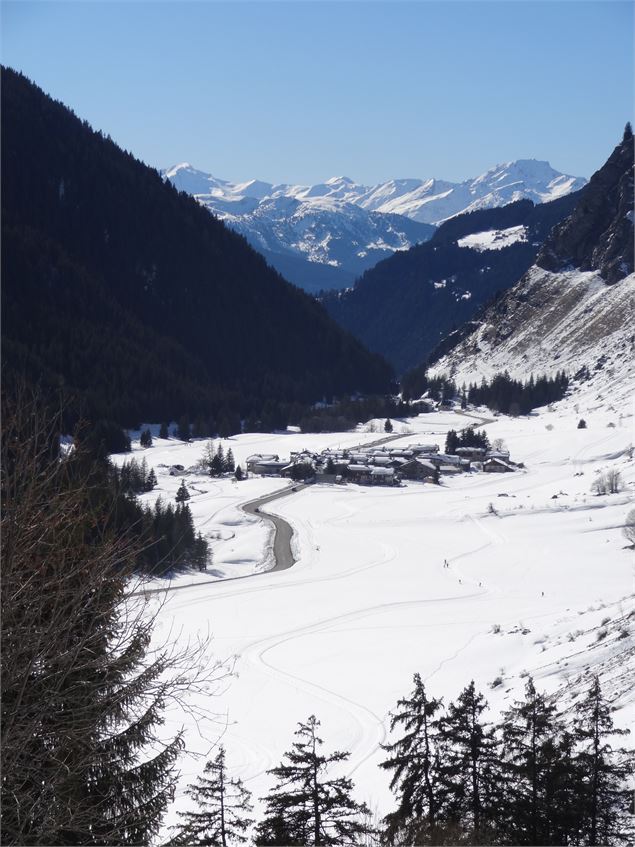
x: 300, y: 91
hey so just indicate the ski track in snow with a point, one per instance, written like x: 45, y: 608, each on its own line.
x: 369, y: 602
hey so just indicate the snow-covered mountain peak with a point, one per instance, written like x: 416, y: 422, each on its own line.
x: 352, y: 226
x: 337, y: 180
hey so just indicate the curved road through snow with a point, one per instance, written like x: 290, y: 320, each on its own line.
x: 282, y: 530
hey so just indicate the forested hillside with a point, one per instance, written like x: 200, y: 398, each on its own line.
x: 134, y: 298
x: 403, y: 306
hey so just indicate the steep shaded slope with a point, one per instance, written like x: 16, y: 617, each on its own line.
x: 575, y: 308
x: 598, y: 236
x: 406, y: 304
x: 121, y: 287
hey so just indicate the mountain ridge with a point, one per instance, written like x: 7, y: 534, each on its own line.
x: 350, y: 227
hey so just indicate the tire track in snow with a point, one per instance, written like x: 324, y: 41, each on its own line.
x: 371, y: 727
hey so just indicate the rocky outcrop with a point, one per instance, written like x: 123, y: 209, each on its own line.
x: 598, y: 235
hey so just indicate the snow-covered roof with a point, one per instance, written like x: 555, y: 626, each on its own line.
x: 494, y: 460
x: 381, y: 460
x: 426, y: 464
x: 273, y: 463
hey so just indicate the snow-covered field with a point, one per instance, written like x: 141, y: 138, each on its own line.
x: 493, y: 239
x: 543, y: 586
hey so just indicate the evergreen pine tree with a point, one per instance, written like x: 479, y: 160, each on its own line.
x: 151, y: 480
x: 451, y: 441
x: 306, y: 806
x: 182, y: 494
x: 531, y: 733
x: 81, y: 695
x: 388, y: 425
x: 222, y: 809
x: 414, y: 762
x: 163, y: 431
x: 217, y: 465
x: 229, y: 464
x: 238, y: 473
x: 145, y: 439
x: 470, y: 756
x: 603, y: 770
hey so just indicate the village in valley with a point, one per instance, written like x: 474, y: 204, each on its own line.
x: 467, y: 451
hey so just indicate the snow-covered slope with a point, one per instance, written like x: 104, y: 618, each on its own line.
x: 550, y: 322
x: 542, y: 585
x: 574, y: 309
x: 349, y: 226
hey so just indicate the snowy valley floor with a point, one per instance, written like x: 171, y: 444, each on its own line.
x: 542, y: 587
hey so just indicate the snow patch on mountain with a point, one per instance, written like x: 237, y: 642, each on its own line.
x: 493, y: 239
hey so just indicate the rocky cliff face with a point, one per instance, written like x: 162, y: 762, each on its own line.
x: 598, y: 236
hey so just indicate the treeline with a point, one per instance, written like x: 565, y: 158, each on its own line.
x: 166, y: 533
x: 416, y: 383
x: 468, y: 437
x: 345, y: 414
x: 535, y: 776
x: 515, y: 397
x: 340, y: 415
x: 501, y: 393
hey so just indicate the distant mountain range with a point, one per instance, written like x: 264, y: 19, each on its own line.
x: 574, y: 309
x: 323, y: 236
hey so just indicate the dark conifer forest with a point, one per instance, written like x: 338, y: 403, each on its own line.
x: 137, y: 302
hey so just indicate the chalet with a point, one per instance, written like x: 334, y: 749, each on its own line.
x: 418, y: 469
x: 359, y: 473
x: 253, y: 461
x: 439, y: 459
x: 383, y: 476
x: 495, y: 465
x: 269, y: 467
